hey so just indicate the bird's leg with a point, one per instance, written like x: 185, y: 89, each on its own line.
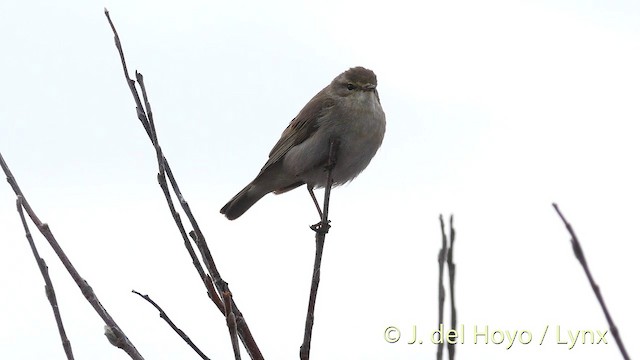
x: 315, y: 201
x: 323, y: 226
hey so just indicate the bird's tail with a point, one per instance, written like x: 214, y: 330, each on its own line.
x: 245, y: 199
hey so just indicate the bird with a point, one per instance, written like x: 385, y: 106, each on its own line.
x: 347, y: 112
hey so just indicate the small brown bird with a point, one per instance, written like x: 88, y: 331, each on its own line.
x: 347, y: 111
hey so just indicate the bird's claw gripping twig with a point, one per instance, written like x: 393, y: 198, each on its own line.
x: 321, y: 227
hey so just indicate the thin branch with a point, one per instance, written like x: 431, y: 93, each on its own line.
x: 577, y: 250
x: 441, y: 293
x: 142, y: 116
x: 165, y: 317
x: 452, y: 276
x: 164, y: 168
x: 321, y: 229
x: 231, y: 324
x: 222, y: 286
x: 118, y: 338
x: 48, y: 287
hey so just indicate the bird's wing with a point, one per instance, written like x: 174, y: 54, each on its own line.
x: 300, y: 128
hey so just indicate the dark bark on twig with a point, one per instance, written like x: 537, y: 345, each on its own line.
x: 165, y: 317
x: 214, y: 277
x: 321, y: 229
x: 577, y: 250
x: 222, y: 286
x: 452, y: 276
x: 446, y: 255
x: 48, y: 287
x: 117, y: 336
x: 231, y: 324
x: 441, y: 292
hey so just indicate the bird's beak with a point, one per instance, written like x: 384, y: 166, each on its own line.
x: 369, y: 87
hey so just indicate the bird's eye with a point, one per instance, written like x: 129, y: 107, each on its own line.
x: 350, y: 86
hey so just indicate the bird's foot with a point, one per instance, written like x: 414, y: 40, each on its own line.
x: 321, y: 227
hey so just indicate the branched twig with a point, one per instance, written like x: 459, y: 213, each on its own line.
x: 116, y: 336
x: 321, y: 230
x: 48, y: 287
x: 452, y: 276
x: 150, y: 129
x: 577, y: 250
x: 163, y: 165
x: 165, y: 317
x: 441, y: 293
x: 220, y: 285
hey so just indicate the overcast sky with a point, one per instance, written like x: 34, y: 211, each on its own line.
x: 495, y: 109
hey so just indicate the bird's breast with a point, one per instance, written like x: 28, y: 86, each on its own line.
x: 358, y: 125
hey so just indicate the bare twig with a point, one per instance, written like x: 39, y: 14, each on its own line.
x: 577, y: 250
x: 49, y: 290
x: 165, y: 317
x: 164, y: 168
x: 142, y: 116
x: 321, y: 229
x: 222, y: 286
x: 452, y: 275
x: 441, y: 293
x: 118, y: 338
x: 231, y: 324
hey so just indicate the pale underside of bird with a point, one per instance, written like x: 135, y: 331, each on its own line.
x: 348, y: 113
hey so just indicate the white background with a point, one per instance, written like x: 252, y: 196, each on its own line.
x: 495, y: 109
